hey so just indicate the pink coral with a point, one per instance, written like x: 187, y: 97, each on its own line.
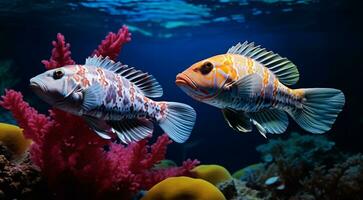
x: 111, y: 45
x: 61, y: 55
x: 74, y: 160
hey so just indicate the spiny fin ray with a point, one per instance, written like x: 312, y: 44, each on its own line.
x: 145, y: 82
x: 269, y: 59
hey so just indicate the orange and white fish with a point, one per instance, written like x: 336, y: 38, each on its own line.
x: 114, y: 99
x: 248, y: 84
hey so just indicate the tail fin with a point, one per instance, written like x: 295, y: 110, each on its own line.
x: 178, y: 122
x: 320, y: 108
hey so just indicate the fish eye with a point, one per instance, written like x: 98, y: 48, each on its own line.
x: 57, y: 74
x: 206, y: 68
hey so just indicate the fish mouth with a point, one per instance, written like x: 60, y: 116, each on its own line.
x: 37, y: 86
x: 184, y: 80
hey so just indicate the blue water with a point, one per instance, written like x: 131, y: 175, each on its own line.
x: 323, y: 38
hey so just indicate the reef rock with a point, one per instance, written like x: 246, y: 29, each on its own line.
x: 19, y: 180
x: 234, y: 189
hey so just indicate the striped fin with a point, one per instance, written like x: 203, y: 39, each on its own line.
x: 319, y: 109
x: 270, y: 121
x: 248, y: 85
x: 98, y: 126
x: 238, y: 120
x: 144, y: 81
x: 284, y: 69
x: 132, y: 130
x: 92, y: 97
x: 105, y: 63
x: 178, y: 121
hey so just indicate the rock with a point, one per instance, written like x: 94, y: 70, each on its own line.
x: 234, y: 189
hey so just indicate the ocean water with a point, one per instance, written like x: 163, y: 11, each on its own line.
x: 323, y: 38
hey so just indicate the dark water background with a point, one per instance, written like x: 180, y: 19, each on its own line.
x: 323, y: 38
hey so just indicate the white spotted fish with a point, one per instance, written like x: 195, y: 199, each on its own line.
x: 114, y: 100
x: 248, y: 84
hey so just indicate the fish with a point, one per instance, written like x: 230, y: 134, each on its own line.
x: 114, y: 100
x: 251, y: 86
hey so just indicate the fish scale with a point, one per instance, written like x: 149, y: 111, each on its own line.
x: 125, y: 103
x: 284, y: 98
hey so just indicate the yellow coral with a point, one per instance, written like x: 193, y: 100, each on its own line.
x: 212, y: 173
x: 184, y: 188
x: 12, y: 137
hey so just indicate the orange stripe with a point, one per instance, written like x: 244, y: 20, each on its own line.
x: 276, y: 84
x: 250, y: 66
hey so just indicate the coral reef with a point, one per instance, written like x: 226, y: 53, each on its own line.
x: 343, y: 181
x: 12, y: 137
x: 234, y: 189
x: 307, y: 167
x: 73, y: 160
x: 212, y: 173
x: 19, y: 180
x: 177, y: 188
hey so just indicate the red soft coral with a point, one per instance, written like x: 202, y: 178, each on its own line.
x: 74, y: 160
x: 61, y: 55
x: 111, y: 45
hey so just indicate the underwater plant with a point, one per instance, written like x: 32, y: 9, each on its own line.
x: 75, y: 161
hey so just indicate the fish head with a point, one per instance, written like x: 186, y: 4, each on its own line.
x: 57, y: 87
x: 205, y: 79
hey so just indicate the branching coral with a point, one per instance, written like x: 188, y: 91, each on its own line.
x: 75, y: 161
x: 111, y: 45
x: 61, y: 54
x: 73, y: 158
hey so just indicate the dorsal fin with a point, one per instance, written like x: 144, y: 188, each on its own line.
x: 144, y: 81
x: 284, y: 69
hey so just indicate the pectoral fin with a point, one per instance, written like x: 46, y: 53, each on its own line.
x: 92, y: 97
x: 238, y: 120
x: 132, y: 130
x: 248, y: 85
x: 99, y: 126
x: 270, y: 121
